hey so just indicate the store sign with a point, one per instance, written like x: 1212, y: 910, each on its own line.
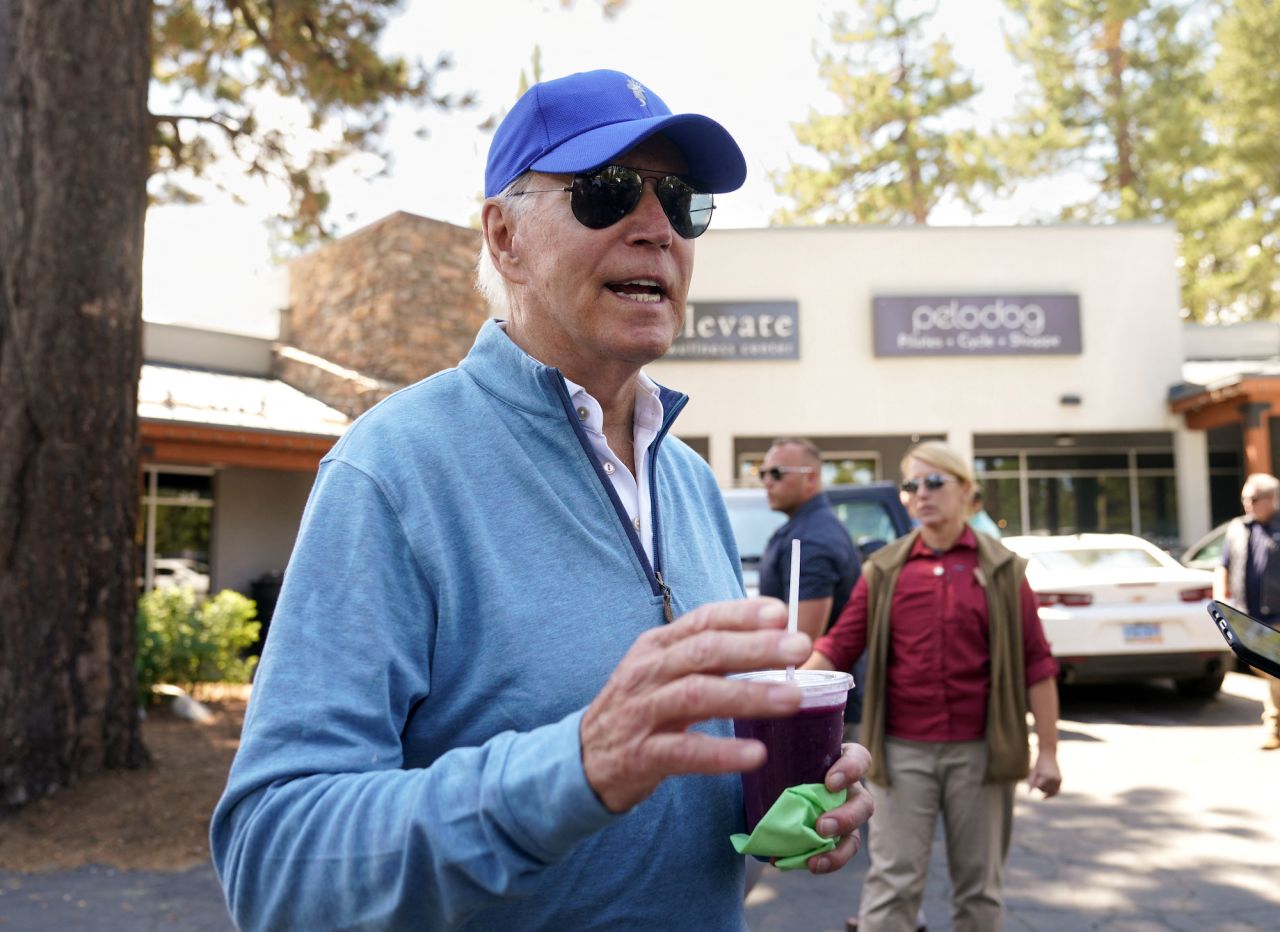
x: 739, y: 330
x: 977, y: 325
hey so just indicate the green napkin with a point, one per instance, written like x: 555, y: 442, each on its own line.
x: 786, y: 832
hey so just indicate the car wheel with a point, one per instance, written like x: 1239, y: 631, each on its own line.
x: 1200, y: 687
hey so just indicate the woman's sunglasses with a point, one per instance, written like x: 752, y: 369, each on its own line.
x: 602, y: 197
x: 932, y: 482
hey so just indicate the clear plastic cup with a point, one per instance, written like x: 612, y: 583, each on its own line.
x: 800, y: 748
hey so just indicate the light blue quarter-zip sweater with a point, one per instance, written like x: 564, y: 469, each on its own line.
x: 463, y: 583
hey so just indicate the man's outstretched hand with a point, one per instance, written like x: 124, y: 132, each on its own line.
x: 636, y: 731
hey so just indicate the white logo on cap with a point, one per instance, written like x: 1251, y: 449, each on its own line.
x: 638, y: 89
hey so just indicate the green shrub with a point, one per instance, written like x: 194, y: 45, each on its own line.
x: 183, y: 640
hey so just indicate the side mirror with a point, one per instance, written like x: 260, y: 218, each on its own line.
x: 867, y: 547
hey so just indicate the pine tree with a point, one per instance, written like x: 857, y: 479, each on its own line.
x: 896, y: 146
x: 73, y: 174
x: 220, y: 64
x: 1119, y: 92
x: 1231, y: 240
x: 77, y: 145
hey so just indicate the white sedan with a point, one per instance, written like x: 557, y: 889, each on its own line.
x: 1116, y: 608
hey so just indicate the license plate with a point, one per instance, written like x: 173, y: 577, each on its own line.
x: 1148, y: 633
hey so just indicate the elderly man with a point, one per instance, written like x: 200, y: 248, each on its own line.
x: 1250, y: 577
x: 494, y: 693
x: 829, y: 564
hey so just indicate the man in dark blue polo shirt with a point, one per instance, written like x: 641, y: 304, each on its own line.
x: 1249, y: 576
x: 829, y: 564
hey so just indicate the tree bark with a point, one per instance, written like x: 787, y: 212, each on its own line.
x: 74, y: 137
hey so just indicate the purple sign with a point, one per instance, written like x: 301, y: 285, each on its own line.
x: 977, y: 325
x: 738, y: 330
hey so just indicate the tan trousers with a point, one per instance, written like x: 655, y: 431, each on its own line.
x: 931, y: 779
x: 1271, y: 706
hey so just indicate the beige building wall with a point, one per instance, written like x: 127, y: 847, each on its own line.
x: 1131, y: 334
x: 256, y: 519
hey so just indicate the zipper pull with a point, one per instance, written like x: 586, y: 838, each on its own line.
x: 667, y: 615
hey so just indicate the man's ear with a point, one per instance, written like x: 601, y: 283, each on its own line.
x: 498, y: 228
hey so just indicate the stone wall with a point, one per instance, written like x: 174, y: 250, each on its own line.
x: 391, y: 303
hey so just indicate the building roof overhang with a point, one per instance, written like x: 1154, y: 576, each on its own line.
x: 196, y: 417
x: 1220, y: 401
x: 178, y: 444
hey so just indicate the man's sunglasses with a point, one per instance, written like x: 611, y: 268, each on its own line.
x: 777, y: 472
x: 602, y: 197
x: 932, y: 482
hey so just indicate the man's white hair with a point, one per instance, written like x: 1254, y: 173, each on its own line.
x: 495, y: 289
x: 1261, y: 483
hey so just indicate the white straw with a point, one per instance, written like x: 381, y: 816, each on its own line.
x: 793, y: 603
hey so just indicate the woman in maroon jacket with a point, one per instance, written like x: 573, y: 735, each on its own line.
x: 956, y: 657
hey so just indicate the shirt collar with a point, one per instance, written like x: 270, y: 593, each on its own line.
x: 966, y: 541
x: 648, y: 405
x: 517, y: 377
x: 812, y: 505
x: 803, y: 511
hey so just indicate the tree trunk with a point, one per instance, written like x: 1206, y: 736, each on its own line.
x: 1118, y: 111
x: 74, y: 138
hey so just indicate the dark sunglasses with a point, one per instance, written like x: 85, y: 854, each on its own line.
x: 932, y: 482
x: 602, y: 197
x: 777, y: 472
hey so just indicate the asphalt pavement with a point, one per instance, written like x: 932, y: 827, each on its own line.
x: 1169, y: 819
x: 102, y: 899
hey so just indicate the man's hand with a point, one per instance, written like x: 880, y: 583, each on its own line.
x: 636, y: 732
x: 844, y: 821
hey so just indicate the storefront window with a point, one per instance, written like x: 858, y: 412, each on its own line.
x: 837, y: 469
x: 1077, y: 461
x: 1079, y: 492
x: 1226, y: 476
x: 849, y: 470
x: 1158, y: 510
x: 183, y: 487
x: 176, y: 525
x: 1003, y: 503
x: 1080, y: 504
x: 990, y: 464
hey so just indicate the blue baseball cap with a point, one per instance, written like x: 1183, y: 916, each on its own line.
x: 580, y: 122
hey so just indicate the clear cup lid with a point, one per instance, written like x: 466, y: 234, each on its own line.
x: 821, y: 687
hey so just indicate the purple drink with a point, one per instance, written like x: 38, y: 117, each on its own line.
x: 801, y: 748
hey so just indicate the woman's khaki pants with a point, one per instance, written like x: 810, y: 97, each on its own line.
x: 931, y: 779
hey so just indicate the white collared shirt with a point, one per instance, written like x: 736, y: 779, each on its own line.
x: 647, y: 421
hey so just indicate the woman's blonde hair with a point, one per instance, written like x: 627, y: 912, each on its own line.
x: 943, y: 456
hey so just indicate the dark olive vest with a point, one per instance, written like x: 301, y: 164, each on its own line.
x: 1009, y: 756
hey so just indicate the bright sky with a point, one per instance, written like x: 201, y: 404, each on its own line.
x: 211, y: 265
